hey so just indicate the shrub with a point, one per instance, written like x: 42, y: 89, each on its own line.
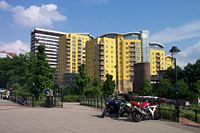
x: 72, y: 98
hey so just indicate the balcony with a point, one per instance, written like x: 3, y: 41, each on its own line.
x: 101, y: 73
x: 101, y: 64
x: 101, y: 48
x: 132, y: 45
x: 101, y: 43
x: 101, y: 58
x: 158, y: 65
x: 132, y: 50
x: 68, y: 46
x: 101, y: 68
x: 101, y: 53
x: 132, y: 55
x: 157, y: 55
x: 158, y: 60
x: 68, y: 57
x: 132, y: 60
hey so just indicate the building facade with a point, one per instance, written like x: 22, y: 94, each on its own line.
x: 50, y: 39
x: 71, y: 56
x: 116, y: 54
x: 158, y: 60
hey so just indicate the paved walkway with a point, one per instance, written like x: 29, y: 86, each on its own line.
x: 74, y: 118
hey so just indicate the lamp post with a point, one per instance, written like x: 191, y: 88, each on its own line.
x: 174, y: 50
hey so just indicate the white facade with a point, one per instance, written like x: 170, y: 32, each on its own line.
x: 50, y: 39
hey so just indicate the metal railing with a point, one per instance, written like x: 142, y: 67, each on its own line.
x: 169, y: 111
x: 42, y: 101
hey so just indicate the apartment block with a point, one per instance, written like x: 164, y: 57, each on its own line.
x: 50, y: 39
x: 168, y: 62
x: 116, y: 54
x: 158, y: 60
x: 71, y: 55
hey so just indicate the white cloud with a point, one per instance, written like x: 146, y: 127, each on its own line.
x: 188, y: 31
x: 4, y: 5
x: 14, y: 47
x: 189, y: 55
x: 33, y: 16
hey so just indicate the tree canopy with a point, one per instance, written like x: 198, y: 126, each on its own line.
x: 109, y: 85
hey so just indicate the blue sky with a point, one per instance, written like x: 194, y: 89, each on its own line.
x: 171, y: 22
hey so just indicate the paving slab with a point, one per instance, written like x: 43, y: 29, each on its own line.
x: 74, y: 118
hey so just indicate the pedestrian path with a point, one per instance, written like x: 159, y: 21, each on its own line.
x: 74, y: 118
x: 9, y: 105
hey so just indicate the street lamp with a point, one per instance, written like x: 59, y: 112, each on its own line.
x: 174, y: 50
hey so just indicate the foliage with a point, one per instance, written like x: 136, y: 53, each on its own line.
x: 44, y: 74
x: 82, y: 79
x: 71, y: 98
x: 165, y: 87
x: 94, y: 88
x: 146, y: 89
x: 195, y: 90
x: 16, y: 73
x: 188, y: 80
x: 182, y: 89
x: 109, y: 85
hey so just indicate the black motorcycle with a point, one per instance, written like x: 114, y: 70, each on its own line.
x: 116, y: 106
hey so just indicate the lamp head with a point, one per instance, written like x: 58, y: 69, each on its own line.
x: 174, y: 50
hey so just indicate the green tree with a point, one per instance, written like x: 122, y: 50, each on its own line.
x: 170, y: 74
x: 192, y: 73
x: 165, y: 88
x: 82, y: 79
x: 94, y: 88
x: 183, y: 89
x: 146, y: 89
x: 109, y: 85
x: 17, y: 73
x: 195, y: 90
x: 44, y: 74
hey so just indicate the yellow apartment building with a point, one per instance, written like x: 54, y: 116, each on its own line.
x: 158, y: 59
x: 168, y: 62
x: 115, y: 54
x: 71, y: 54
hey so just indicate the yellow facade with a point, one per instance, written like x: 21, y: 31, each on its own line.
x: 101, y: 58
x: 71, y: 53
x: 157, y: 61
x: 115, y: 56
x: 168, y: 62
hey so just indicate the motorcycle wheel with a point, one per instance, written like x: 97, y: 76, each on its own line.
x: 156, y: 115
x: 137, y: 116
x: 104, y: 113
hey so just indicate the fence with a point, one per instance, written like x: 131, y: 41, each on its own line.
x: 167, y: 111
x: 42, y: 101
x: 97, y: 102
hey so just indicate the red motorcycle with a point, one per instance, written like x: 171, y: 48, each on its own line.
x: 147, y: 109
